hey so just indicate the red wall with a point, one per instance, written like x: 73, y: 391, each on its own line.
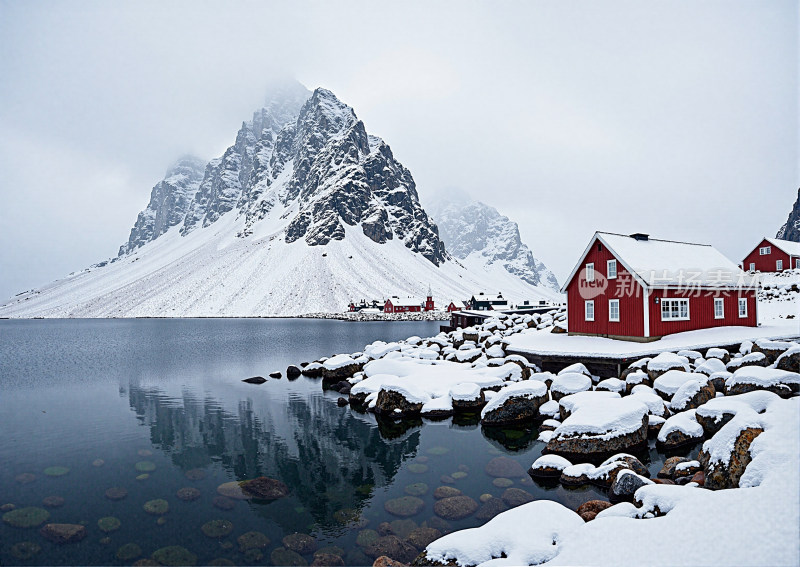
x: 701, y: 311
x: 766, y: 263
x: 631, y: 306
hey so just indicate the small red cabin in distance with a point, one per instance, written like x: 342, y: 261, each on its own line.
x: 640, y: 288
x: 405, y: 305
x: 773, y: 255
x: 456, y: 305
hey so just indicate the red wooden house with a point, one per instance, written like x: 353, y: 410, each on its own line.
x: 456, y: 305
x: 773, y: 255
x: 402, y: 305
x: 640, y: 288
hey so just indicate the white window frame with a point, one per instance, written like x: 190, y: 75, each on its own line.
x: 752, y: 266
x: 765, y: 251
x: 742, y: 303
x: 721, y: 302
x: 669, y: 301
x: 611, y: 274
x: 589, y: 303
x: 778, y: 265
x: 611, y: 304
x: 590, y: 272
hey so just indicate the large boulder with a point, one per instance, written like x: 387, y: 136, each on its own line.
x: 455, y: 508
x: 548, y: 466
x: 625, y: 486
x: 467, y: 397
x: 515, y: 404
x: 665, y: 362
x: 789, y: 360
x: 589, y: 510
x: 692, y: 394
x: 341, y: 366
x: 720, y: 474
x: 63, y: 533
x: 668, y: 383
x: 679, y: 430
x: 398, y: 402
x: 772, y: 349
x: 751, y: 378
x: 752, y: 359
x: 600, y: 426
x: 569, y: 383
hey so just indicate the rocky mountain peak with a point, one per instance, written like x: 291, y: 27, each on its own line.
x: 170, y: 198
x: 477, y: 233
x: 791, y: 228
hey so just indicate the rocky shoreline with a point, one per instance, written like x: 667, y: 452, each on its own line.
x: 590, y: 426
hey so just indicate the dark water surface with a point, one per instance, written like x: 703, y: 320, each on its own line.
x: 169, y: 392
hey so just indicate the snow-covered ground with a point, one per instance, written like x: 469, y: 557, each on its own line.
x: 211, y: 272
x: 758, y: 524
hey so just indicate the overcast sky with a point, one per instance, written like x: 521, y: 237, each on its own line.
x: 679, y: 119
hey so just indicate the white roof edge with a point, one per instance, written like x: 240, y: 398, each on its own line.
x: 597, y: 236
x: 790, y: 247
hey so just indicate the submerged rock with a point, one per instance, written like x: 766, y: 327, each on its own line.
x: 187, y: 494
x: 514, y: 497
x: 404, y: 506
x: 128, y: 552
x: 287, y: 557
x: 503, y: 467
x: 327, y: 560
x: 264, y: 488
x: 25, y: 478
x: 394, y: 547
x: 25, y: 550
x: 446, y: 492
x: 217, y: 528
x: 416, y: 489
x: 56, y: 471
x: 174, y: 555
x: 195, y: 474
x: 223, y: 503
x: 157, y: 507
x: 232, y: 490
x: 145, y: 466
x: 63, y: 533
x: 303, y: 544
x: 116, y: 493
x: 109, y: 524
x: 252, y: 540
x: 455, y: 507
x: 28, y: 517
x: 491, y: 508
x: 53, y: 501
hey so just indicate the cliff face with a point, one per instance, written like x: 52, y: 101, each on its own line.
x: 791, y: 228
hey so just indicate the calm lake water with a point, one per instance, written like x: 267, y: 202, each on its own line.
x: 99, y: 397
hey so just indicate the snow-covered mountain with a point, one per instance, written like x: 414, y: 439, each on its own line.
x: 303, y: 213
x: 480, y: 237
x: 791, y: 228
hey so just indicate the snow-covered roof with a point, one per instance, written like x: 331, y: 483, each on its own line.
x: 791, y: 248
x: 484, y: 297
x: 406, y: 301
x: 457, y: 303
x: 658, y: 263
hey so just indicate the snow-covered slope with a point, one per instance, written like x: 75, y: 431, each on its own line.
x: 791, y: 228
x: 479, y: 236
x: 304, y: 213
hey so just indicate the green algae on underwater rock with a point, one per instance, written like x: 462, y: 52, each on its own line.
x: 161, y: 521
x: 144, y: 452
x: 109, y: 524
x: 417, y: 468
x: 156, y: 507
x: 438, y: 451
x: 187, y: 494
x: 416, y: 489
x: 459, y: 475
x: 56, y: 471
x: 104, y: 540
x: 116, y: 493
x: 143, y: 476
x: 252, y: 540
x: 28, y: 517
x: 98, y: 463
x: 503, y: 482
x: 217, y: 528
x: 287, y: 557
x: 25, y: 550
x: 129, y: 552
x: 145, y: 466
x: 404, y: 506
x: 174, y: 556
